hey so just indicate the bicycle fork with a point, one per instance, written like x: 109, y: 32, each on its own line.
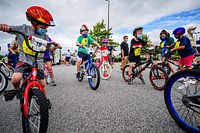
x: 32, y: 83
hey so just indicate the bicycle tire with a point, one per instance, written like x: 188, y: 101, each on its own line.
x: 157, y: 73
x: 5, y: 71
x: 11, y: 73
x: 165, y: 67
x: 3, y: 82
x: 109, y: 72
x: 95, y: 69
x: 170, y: 90
x: 125, y: 73
x: 36, y: 97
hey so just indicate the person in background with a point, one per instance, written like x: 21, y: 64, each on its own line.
x: 110, y: 49
x: 83, y: 42
x: 124, y: 51
x: 135, y: 50
x: 67, y: 57
x: 166, y: 41
x: 47, y: 60
x: 14, y: 52
x: 190, y: 35
x: 185, y: 50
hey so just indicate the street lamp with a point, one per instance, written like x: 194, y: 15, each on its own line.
x: 108, y: 11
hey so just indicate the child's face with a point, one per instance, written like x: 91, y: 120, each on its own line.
x: 139, y: 32
x: 42, y: 26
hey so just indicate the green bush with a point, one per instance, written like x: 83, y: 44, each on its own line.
x: 116, y: 60
x: 119, y: 59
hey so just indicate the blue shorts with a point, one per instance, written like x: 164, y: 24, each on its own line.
x: 83, y: 56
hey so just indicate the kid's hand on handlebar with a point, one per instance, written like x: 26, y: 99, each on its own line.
x: 4, y: 27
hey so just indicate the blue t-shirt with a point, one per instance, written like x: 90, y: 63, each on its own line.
x: 110, y: 48
x: 188, y: 50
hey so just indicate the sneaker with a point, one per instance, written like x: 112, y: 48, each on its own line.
x: 78, y: 75
x: 9, y: 95
x: 49, y: 105
x: 130, y: 81
x: 53, y: 83
x: 142, y: 79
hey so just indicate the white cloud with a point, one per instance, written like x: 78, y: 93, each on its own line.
x: 69, y: 15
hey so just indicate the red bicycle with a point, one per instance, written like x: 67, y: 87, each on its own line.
x: 104, y: 67
x: 33, y: 103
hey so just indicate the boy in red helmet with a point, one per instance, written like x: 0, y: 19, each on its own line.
x: 84, y: 41
x: 40, y: 20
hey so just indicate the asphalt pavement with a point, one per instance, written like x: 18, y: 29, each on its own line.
x: 115, y: 107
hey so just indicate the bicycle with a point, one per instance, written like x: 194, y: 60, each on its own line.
x: 46, y: 74
x: 182, y: 99
x: 3, y: 82
x: 164, y: 64
x: 104, y: 67
x: 91, y: 70
x: 6, y: 67
x: 156, y: 73
x: 33, y: 103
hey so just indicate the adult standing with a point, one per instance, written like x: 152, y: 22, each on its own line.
x: 67, y: 57
x: 110, y: 49
x: 124, y: 51
x: 14, y: 52
x: 191, y: 31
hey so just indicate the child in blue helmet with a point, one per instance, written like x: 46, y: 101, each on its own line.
x: 184, y: 48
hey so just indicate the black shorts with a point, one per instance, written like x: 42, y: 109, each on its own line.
x: 67, y: 58
x: 135, y: 59
x: 22, y: 68
x: 47, y: 59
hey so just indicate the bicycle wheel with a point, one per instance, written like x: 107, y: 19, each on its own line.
x: 182, y: 98
x: 94, y: 76
x: 105, y: 71
x: 158, y: 77
x: 5, y: 71
x: 125, y: 73
x: 3, y: 82
x: 38, y: 115
x: 165, y: 67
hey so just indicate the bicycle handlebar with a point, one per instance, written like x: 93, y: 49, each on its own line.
x: 26, y: 38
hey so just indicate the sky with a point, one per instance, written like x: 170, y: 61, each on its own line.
x: 125, y: 15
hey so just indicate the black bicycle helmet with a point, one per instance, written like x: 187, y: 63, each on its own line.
x: 136, y: 29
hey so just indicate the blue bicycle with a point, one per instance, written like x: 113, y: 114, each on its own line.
x: 182, y: 98
x: 91, y: 70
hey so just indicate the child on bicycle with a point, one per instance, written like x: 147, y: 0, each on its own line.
x: 105, y: 53
x: 40, y: 20
x: 48, y: 62
x: 83, y: 42
x: 166, y: 41
x: 135, y: 50
x: 184, y: 48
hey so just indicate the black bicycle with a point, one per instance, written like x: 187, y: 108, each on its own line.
x: 167, y: 60
x: 157, y: 75
x: 182, y: 98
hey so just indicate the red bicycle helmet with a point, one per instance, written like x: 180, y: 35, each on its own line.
x: 39, y: 15
x: 84, y: 27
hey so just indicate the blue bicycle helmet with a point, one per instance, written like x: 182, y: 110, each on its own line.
x: 179, y: 31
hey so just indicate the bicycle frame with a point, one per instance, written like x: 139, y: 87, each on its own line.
x: 147, y: 63
x: 101, y: 61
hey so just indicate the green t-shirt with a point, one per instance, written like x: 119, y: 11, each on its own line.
x: 85, y: 42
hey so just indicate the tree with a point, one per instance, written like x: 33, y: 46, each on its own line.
x: 99, y: 32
